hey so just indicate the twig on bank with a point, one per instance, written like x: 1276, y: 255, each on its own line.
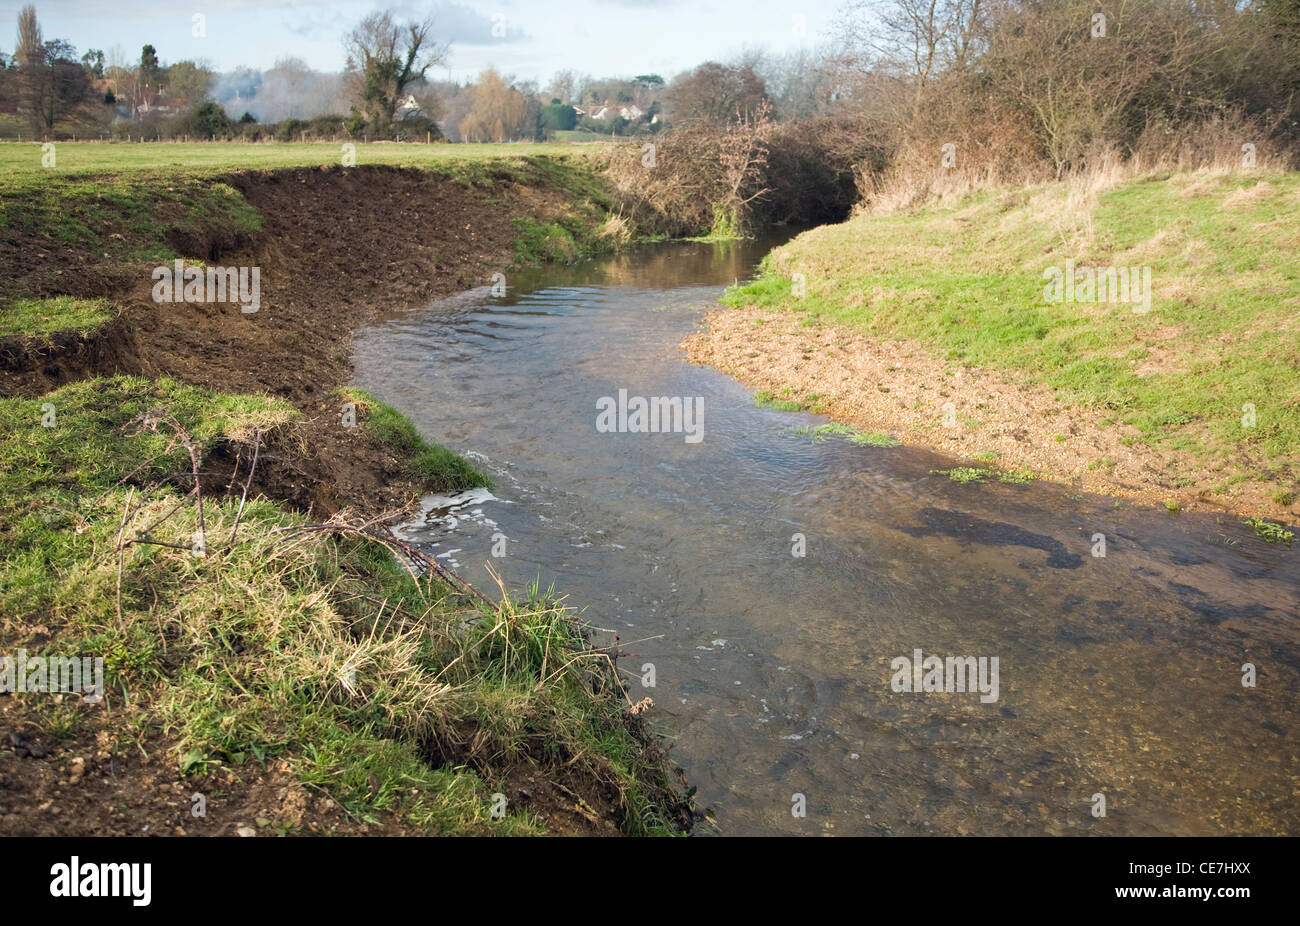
x: 257, y: 447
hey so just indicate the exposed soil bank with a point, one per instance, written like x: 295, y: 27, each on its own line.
x: 337, y: 248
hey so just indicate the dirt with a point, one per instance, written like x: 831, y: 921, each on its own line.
x: 898, y: 388
x: 339, y: 248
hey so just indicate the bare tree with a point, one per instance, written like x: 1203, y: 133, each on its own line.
x: 916, y: 39
x: 717, y: 94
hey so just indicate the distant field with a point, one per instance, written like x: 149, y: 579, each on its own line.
x: 99, y: 157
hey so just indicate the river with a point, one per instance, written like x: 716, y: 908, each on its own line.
x: 1119, y: 676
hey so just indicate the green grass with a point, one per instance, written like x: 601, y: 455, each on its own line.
x: 968, y: 474
x: 441, y: 469
x: 764, y: 398
x: 280, y: 641
x: 537, y: 242
x: 38, y: 317
x: 848, y: 432
x: 967, y: 281
x: 1273, y: 533
x: 20, y: 160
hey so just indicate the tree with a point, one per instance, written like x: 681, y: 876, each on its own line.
x: 384, y: 59
x: 566, y: 86
x: 718, y: 94
x: 913, y: 39
x: 149, y: 67
x: 557, y: 116
x: 496, y: 110
x: 51, y: 79
x: 188, y: 82
x: 208, y: 120
x: 56, y: 85
x: 30, y: 48
x: 93, y: 62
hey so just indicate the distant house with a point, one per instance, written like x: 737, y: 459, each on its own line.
x: 407, y: 107
x: 629, y: 111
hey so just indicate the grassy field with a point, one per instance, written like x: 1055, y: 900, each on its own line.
x: 22, y: 159
x: 968, y: 281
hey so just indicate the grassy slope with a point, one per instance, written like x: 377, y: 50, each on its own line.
x: 1224, y: 325
x: 313, y: 647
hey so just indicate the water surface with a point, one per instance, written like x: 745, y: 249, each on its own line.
x: 1118, y: 675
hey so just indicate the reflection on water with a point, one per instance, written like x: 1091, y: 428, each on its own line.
x: 1119, y: 675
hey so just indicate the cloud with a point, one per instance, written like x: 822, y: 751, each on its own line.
x: 463, y: 25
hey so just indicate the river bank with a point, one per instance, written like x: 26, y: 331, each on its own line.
x: 290, y: 673
x: 933, y: 327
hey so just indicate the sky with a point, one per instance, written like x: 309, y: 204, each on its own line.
x: 530, y: 39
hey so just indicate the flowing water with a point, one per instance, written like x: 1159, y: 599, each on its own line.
x: 1118, y: 675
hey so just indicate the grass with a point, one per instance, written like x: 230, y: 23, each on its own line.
x: 441, y: 469
x: 1273, y: 533
x: 24, y: 159
x: 242, y: 634
x: 967, y: 281
x: 40, y: 317
x: 764, y: 398
x: 968, y: 474
x: 851, y: 434
x: 120, y: 218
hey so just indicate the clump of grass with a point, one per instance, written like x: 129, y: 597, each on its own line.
x: 34, y: 317
x: 1284, y: 498
x: 851, y: 434
x: 1270, y: 532
x: 441, y: 469
x: 988, y: 456
x: 968, y: 474
x: 765, y: 398
x: 538, y: 242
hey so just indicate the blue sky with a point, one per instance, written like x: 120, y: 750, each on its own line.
x: 599, y: 37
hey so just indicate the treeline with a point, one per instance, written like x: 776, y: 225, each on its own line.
x: 915, y: 98
x: 1009, y: 90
